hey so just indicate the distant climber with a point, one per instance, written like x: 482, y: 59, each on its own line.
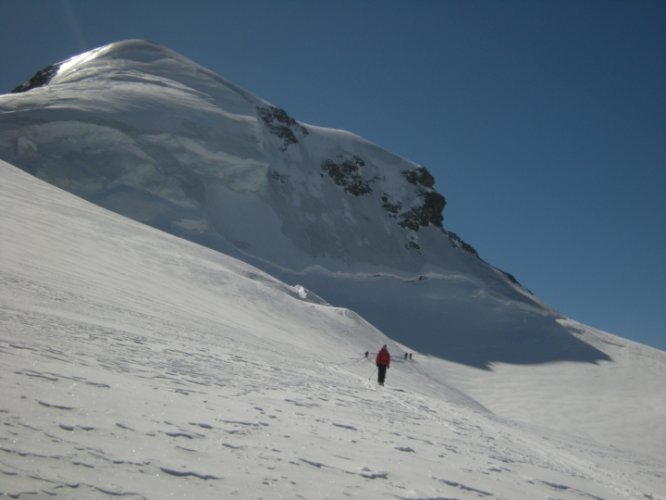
x: 382, y: 361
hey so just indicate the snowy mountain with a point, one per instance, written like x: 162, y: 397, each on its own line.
x: 145, y: 132
x: 140, y: 365
x: 137, y: 358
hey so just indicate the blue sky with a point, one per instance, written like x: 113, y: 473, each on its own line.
x: 544, y: 123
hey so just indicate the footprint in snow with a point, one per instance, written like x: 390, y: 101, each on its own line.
x: 55, y: 406
x: 187, y: 473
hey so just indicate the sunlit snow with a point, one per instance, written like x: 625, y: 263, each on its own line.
x: 136, y: 364
x: 141, y: 365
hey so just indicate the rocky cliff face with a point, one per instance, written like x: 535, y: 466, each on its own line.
x: 41, y: 78
x: 351, y: 172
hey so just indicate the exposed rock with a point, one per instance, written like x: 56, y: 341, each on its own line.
x: 392, y: 208
x: 430, y: 212
x: 456, y: 241
x: 281, y: 124
x: 512, y: 279
x: 41, y: 78
x: 419, y: 176
x: 346, y: 172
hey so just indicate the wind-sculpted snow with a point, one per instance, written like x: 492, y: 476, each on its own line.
x: 138, y: 365
x: 143, y: 131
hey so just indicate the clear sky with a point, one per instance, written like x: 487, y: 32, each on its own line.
x: 543, y: 122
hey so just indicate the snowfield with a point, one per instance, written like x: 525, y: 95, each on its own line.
x: 139, y: 365
x: 147, y: 133
x: 231, y: 363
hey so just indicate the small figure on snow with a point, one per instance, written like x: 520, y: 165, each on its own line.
x: 382, y: 361
x: 366, y: 354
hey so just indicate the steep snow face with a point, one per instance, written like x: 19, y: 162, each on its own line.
x: 157, y: 135
x: 149, y: 133
x: 139, y: 126
x: 143, y: 131
x: 139, y: 365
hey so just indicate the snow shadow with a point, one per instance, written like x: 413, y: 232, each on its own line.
x: 482, y: 341
x: 459, y: 327
x: 543, y: 341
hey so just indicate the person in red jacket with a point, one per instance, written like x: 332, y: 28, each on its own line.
x: 382, y: 361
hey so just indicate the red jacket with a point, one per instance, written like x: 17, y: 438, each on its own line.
x: 383, y: 357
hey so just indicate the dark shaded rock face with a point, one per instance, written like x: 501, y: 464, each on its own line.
x: 346, y: 172
x: 458, y: 242
x: 432, y: 206
x: 392, y: 208
x: 281, y: 125
x: 41, y: 78
x: 430, y: 212
x: 419, y: 176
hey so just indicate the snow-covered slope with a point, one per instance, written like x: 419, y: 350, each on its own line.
x: 139, y: 365
x: 143, y: 131
x: 149, y: 134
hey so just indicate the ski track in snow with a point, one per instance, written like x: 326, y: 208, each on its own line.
x: 147, y: 372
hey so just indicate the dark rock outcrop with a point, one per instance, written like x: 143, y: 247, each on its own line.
x: 347, y: 172
x: 41, y: 78
x: 281, y: 124
x: 392, y: 208
x: 432, y: 204
x: 429, y: 212
x: 419, y: 176
x: 457, y: 241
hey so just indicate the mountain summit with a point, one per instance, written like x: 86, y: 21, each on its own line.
x: 186, y: 137
x: 147, y: 133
